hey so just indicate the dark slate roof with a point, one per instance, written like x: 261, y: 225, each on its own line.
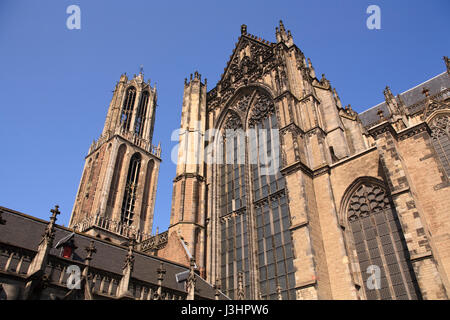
x: 371, y: 117
x: 26, y: 232
x: 413, y: 99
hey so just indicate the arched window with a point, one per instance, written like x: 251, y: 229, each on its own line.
x: 129, y: 197
x: 147, y: 193
x: 232, y: 206
x: 380, y: 247
x: 440, y: 136
x: 115, y: 180
x: 275, y: 253
x: 127, y: 110
x: 140, y: 115
x: 251, y: 195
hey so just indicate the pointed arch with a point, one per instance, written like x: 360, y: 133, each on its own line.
x: 375, y: 242
x: 439, y: 123
x: 127, y: 109
x: 113, y: 190
x: 146, y: 198
x: 131, y: 185
x: 141, y: 114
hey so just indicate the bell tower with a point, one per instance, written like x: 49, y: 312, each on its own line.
x: 116, y: 195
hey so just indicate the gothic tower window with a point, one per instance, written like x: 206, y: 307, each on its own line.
x: 129, y: 197
x: 379, y: 244
x: 440, y: 136
x: 147, y: 194
x: 127, y: 110
x: 140, y: 116
x: 115, y: 180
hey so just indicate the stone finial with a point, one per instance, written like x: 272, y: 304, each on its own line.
x: 380, y: 114
x: 129, y: 259
x: 36, y: 270
x: 426, y: 92
x: 191, y: 280
x: 447, y: 64
x: 244, y: 29
x: 49, y: 233
x: 86, y: 282
x: 241, y: 293
x: 338, y: 99
x: 122, y: 290
x: 55, y: 213
x: 388, y: 94
x: 217, y: 289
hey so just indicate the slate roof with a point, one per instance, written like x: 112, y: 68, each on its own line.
x: 26, y: 232
x: 413, y: 98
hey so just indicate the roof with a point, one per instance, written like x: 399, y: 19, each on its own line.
x: 413, y: 98
x: 26, y: 232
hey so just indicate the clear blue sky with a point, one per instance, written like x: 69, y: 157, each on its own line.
x: 56, y: 84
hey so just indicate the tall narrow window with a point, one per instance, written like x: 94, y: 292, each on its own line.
x: 233, y: 222
x: 127, y: 110
x: 140, y: 116
x: 274, y: 244
x: 129, y: 197
x: 440, y: 136
x: 380, y: 246
x: 147, y: 194
x: 115, y: 180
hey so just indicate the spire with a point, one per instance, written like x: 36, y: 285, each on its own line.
x: 312, y: 72
x: 36, y: 271
x: 86, y: 284
x: 282, y: 36
x: 191, y: 281
x: 395, y: 105
x: 46, y: 243
x: 243, y: 29
x: 388, y: 94
x: 123, y: 291
x: 338, y: 100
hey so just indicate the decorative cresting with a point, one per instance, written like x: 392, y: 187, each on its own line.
x: 156, y: 242
x: 263, y: 107
x: 378, y: 244
x: 440, y: 135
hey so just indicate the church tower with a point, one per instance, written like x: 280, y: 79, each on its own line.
x: 188, y: 199
x: 116, y: 195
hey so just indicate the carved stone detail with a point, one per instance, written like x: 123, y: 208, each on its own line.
x: 263, y: 106
x: 368, y: 198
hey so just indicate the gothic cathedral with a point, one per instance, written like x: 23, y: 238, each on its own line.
x: 281, y: 192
